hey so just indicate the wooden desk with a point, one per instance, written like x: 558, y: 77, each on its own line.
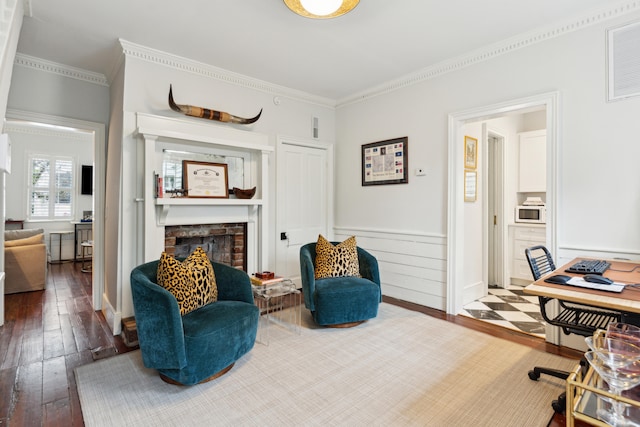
x: 626, y: 302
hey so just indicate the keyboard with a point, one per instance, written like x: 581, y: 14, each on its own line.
x: 589, y: 266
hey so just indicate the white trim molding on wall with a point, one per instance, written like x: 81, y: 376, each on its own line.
x: 412, y: 264
x: 148, y: 54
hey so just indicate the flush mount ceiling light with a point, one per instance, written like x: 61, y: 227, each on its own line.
x: 321, y: 9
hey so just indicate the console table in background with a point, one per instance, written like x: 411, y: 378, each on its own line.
x: 14, y: 224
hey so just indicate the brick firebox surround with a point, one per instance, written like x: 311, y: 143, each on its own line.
x: 223, y: 243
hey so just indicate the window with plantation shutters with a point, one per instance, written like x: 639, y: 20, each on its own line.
x: 51, y: 187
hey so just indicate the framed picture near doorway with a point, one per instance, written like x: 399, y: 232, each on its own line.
x: 470, y: 152
x: 470, y: 185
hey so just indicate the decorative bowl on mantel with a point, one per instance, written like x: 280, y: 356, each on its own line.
x: 244, y: 194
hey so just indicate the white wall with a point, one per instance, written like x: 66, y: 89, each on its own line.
x: 44, y: 92
x: 11, y: 15
x: 146, y: 87
x: 474, y: 221
x: 113, y: 203
x: 597, y: 144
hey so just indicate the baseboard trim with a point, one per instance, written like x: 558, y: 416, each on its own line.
x: 113, y: 318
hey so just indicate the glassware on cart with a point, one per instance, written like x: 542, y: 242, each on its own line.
x: 619, y: 379
x: 616, y: 353
x: 624, y: 331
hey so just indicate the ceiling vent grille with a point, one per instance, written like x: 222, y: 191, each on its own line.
x: 623, y: 45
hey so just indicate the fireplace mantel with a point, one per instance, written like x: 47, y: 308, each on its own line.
x: 164, y: 204
x: 158, y: 133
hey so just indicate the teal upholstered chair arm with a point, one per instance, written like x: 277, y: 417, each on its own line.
x: 233, y: 284
x: 307, y: 265
x: 157, y: 313
x: 368, y: 265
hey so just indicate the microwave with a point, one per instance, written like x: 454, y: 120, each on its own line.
x: 531, y: 214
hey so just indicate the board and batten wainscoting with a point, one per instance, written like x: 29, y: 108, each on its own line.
x: 413, y: 266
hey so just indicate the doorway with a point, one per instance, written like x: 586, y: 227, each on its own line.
x: 456, y: 221
x: 304, y: 200
x: 495, y: 211
x: 97, y: 130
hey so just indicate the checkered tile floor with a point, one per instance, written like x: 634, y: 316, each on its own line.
x: 509, y: 308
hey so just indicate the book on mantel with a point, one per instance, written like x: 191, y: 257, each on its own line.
x: 262, y: 282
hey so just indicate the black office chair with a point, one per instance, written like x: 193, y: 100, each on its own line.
x: 573, y: 318
x: 541, y: 264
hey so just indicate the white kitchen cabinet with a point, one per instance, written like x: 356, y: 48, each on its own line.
x: 533, y: 161
x: 523, y: 236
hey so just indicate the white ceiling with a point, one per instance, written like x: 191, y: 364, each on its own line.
x: 380, y: 40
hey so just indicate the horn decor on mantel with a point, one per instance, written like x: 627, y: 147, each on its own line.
x: 205, y: 113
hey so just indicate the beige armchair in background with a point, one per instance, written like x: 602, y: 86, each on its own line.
x: 25, y: 260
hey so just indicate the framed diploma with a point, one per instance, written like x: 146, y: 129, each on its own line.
x: 203, y: 179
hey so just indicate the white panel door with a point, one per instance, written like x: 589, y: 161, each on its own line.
x: 303, y: 202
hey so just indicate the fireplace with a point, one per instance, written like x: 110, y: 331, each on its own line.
x: 233, y: 231
x: 223, y: 243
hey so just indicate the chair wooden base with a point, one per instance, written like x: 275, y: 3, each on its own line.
x: 346, y: 325
x: 206, y: 380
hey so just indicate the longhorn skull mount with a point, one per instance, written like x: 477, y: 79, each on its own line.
x: 208, y: 114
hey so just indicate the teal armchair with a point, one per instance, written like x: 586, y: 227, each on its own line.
x: 202, y: 344
x: 341, y: 301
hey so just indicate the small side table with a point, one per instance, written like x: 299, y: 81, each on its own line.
x: 280, y: 304
x: 60, y: 235
x: 87, y: 246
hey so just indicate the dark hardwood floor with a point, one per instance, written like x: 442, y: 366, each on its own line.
x: 49, y: 333
x: 46, y: 335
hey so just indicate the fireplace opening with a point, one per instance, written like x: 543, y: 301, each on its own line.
x: 223, y: 243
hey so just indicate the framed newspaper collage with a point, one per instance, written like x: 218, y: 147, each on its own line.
x: 385, y: 162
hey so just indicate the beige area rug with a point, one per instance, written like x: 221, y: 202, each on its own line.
x: 400, y: 369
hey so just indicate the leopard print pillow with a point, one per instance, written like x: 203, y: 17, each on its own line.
x: 192, y: 281
x: 336, y: 261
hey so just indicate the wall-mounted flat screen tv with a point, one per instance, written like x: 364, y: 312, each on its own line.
x: 87, y: 180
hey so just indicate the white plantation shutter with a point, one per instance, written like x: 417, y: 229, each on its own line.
x: 39, y: 200
x: 64, y: 183
x: 51, y: 187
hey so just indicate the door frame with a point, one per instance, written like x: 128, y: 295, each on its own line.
x: 99, y: 157
x: 498, y: 199
x: 283, y: 140
x: 455, y: 203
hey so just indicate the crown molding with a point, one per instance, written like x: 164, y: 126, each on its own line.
x: 492, y: 51
x: 486, y: 53
x: 49, y: 131
x: 60, y: 69
x: 187, y: 65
